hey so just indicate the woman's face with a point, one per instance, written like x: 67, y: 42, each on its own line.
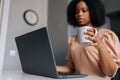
x: 82, y: 14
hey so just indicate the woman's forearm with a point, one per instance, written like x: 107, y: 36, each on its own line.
x: 108, y: 66
x: 63, y: 68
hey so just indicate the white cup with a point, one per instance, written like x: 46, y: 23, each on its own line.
x: 82, y: 36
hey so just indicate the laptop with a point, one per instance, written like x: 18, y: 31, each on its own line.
x: 37, y: 55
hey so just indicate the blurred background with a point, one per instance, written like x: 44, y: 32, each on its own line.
x: 52, y: 14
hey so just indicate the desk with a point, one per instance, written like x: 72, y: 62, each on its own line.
x: 18, y: 75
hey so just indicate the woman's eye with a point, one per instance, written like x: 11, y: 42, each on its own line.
x: 84, y: 10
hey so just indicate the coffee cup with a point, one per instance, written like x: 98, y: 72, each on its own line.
x: 82, y: 36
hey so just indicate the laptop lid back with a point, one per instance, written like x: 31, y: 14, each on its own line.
x: 36, y: 53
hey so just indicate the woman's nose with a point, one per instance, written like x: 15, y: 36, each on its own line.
x: 80, y: 13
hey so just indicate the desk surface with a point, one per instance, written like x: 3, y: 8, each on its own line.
x: 18, y: 75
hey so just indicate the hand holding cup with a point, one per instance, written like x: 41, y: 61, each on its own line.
x: 85, y: 32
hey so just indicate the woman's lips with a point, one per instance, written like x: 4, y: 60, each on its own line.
x: 80, y: 19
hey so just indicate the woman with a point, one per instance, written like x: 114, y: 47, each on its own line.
x: 100, y: 58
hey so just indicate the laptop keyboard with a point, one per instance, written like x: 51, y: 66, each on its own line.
x: 70, y: 75
x: 65, y: 73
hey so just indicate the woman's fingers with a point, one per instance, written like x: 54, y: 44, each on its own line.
x: 91, y: 38
x: 96, y: 41
x: 90, y: 32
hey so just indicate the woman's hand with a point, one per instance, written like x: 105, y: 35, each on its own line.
x: 64, y: 68
x: 96, y: 40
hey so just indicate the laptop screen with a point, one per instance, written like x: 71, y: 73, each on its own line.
x: 36, y: 54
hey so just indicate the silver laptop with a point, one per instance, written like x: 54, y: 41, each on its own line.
x: 37, y: 56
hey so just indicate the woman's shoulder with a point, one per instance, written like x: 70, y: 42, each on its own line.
x: 106, y: 31
x: 108, y: 34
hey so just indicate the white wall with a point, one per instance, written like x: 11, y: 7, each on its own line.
x: 14, y: 25
x: 3, y: 29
